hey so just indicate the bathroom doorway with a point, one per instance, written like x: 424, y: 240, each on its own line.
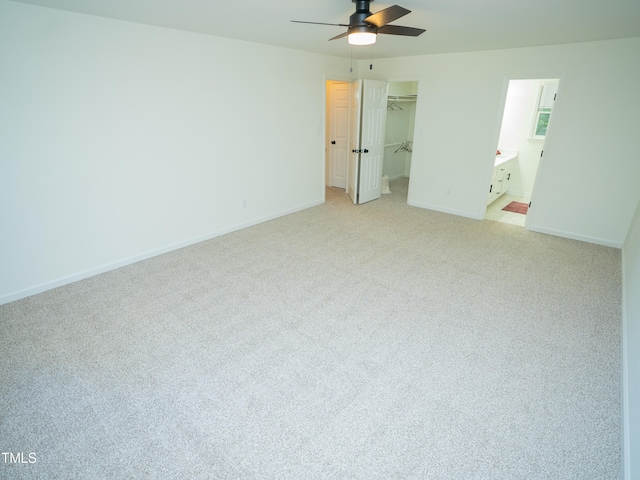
x: 524, y: 131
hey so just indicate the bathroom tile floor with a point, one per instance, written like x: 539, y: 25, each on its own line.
x: 495, y: 212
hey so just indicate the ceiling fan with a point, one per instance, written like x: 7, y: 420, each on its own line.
x: 364, y: 26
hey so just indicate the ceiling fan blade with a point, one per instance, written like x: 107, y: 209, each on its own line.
x: 398, y: 30
x: 320, y: 23
x: 340, y: 36
x: 388, y: 15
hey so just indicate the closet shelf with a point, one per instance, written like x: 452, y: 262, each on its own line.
x: 402, y: 98
x: 394, y: 100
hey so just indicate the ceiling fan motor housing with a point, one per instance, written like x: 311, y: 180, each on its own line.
x: 356, y: 20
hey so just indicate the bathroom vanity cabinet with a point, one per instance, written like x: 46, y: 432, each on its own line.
x: 502, y: 173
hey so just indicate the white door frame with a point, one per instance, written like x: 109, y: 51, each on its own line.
x: 416, y: 139
x: 336, y: 177
x: 325, y: 128
x: 546, y: 144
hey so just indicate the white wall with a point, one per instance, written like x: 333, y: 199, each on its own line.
x: 631, y: 346
x: 120, y: 141
x: 588, y: 185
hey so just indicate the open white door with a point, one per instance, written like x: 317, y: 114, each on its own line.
x: 367, y: 121
x: 372, y: 126
x: 338, y: 133
x: 353, y: 164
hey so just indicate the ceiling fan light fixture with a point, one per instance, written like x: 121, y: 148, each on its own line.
x: 364, y: 26
x: 362, y: 38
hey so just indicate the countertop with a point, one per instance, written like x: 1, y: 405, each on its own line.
x: 505, y: 156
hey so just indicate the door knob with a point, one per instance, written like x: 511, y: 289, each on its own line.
x: 366, y: 151
x: 333, y: 142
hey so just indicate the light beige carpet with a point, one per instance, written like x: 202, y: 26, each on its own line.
x: 373, y: 341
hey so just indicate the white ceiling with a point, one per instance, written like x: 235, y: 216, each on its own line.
x: 452, y: 25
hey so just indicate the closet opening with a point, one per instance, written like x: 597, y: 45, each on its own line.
x: 401, y: 113
x: 524, y: 134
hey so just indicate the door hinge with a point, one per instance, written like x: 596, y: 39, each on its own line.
x: 529, y: 204
x: 554, y: 96
x: 541, y: 152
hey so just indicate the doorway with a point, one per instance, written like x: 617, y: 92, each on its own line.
x: 524, y: 131
x: 355, y: 135
x: 401, y: 113
x: 337, y: 133
x: 397, y: 136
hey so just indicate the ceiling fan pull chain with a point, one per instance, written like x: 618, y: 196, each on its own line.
x: 371, y: 62
x: 351, y: 52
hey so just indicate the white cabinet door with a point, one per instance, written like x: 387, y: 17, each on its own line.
x: 491, y: 196
x: 500, y: 180
x: 508, y: 170
x: 497, y: 182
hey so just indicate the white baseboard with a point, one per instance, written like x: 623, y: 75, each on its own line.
x: 59, y: 282
x: 573, y: 236
x: 443, y: 210
x: 391, y: 179
x: 548, y: 231
x: 626, y: 448
x: 519, y: 194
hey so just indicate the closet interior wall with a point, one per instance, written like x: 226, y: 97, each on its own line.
x: 401, y: 112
